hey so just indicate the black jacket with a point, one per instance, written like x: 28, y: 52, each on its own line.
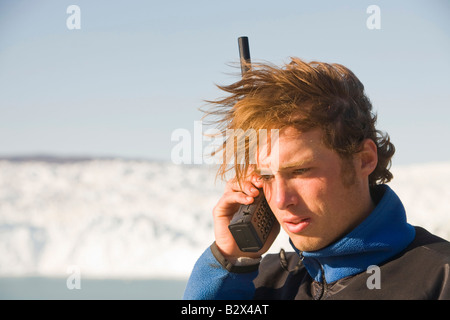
x: 421, y: 271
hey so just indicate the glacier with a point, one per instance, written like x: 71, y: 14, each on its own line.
x: 121, y: 218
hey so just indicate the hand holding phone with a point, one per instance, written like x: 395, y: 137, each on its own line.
x: 246, y: 195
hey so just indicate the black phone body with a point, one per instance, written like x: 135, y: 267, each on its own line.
x: 252, y: 224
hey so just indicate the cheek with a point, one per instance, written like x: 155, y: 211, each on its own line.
x: 315, y: 197
x: 321, y: 194
x: 305, y: 195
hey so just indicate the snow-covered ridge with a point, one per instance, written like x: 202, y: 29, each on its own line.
x: 125, y: 218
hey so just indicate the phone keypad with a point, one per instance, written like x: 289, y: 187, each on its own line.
x: 264, y: 219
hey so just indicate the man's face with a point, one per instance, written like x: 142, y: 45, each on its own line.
x: 313, y: 199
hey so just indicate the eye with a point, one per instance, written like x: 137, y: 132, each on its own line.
x: 300, y: 172
x: 266, y: 177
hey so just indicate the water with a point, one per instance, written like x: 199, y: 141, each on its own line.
x: 44, y: 288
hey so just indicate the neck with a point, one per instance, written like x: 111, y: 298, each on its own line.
x: 363, y: 205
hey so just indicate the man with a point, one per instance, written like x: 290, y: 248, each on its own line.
x: 324, y: 179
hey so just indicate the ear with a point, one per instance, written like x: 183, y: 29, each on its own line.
x: 368, y: 157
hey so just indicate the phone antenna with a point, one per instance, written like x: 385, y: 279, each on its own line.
x: 244, y: 54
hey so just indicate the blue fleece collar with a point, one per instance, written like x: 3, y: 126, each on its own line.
x: 383, y: 234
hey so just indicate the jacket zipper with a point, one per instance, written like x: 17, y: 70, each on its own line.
x: 324, y: 284
x: 324, y: 281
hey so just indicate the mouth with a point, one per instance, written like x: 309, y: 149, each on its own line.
x: 297, y: 225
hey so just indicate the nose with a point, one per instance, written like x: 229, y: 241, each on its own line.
x: 285, y: 195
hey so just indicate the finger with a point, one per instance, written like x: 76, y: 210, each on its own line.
x: 237, y: 198
x: 230, y: 202
x: 257, y: 181
x: 246, y: 187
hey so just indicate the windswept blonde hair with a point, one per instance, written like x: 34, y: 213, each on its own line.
x: 304, y: 96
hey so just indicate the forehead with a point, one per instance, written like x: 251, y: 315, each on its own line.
x: 292, y: 148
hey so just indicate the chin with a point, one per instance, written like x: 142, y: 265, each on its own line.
x: 307, y: 243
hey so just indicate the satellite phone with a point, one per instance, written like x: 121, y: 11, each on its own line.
x: 252, y: 223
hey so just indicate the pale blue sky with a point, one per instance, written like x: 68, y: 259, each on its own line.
x: 138, y: 70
